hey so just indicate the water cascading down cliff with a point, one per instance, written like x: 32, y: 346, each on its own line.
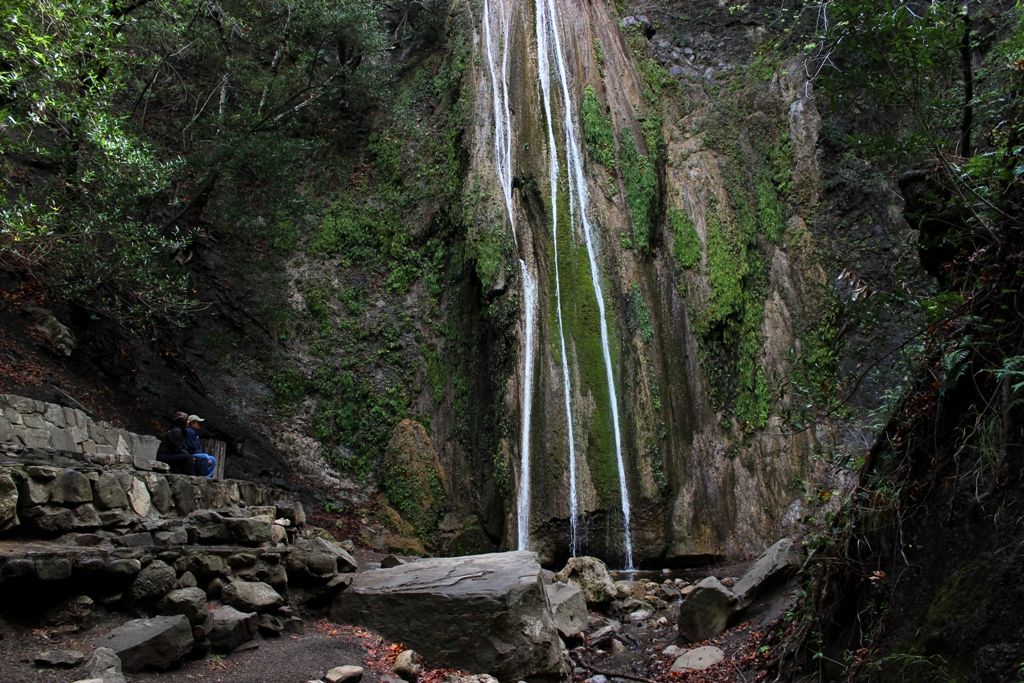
x: 563, y: 142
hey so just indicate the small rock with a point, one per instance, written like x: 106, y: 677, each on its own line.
x: 294, y: 626
x: 390, y: 561
x: 698, y: 659
x: 344, y: 674
x: 59, y: 659
x: 673, y: 651
x: 405, y: 665
x: 190, y: 602
x: 728, y: 582
x: 663, y: 621
x: 269, y: 625
x: 104, y: 666
x: 617, y: 647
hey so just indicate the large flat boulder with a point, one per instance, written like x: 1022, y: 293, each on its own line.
x: 156, y: 643
x: 482, y: 613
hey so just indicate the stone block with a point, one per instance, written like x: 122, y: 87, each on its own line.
x: 183, y: 495
x: 21, y: 404
x: 121, y: 446
x: 34, y: 438
x: 8, y: 502
x: 62, y: 439
x: 33, y: 421
x: 42, y: 472
x: 85, y: 517
x: 69, y: 417
x: 54, y: 414
x: 53, y: 568
x: 88, y: 446
x: 138, y: 497
x: 172, y: 537
x: 143, y: 539
x: 13, y: 416
x: 6, y: 430
x: 108, y: 493
x: 104, y: 449
x: 159, y: 492
x: 78, y: 435
x: 144, y: 446
x: 71, y: 487
x: 33, y: 491
x: 101, y: 460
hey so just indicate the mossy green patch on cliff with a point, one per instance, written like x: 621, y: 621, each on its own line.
x: 640, y: 178
x: 581, y: 321
x: 638, y: 317
x: 756, y: 166
x: 598, y: 131
x: 686, y: 246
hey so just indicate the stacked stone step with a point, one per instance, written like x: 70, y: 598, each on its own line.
x: 46, y: 501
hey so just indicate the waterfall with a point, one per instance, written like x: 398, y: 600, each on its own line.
x: 503, y: 166
x: 547, y: 23
x: 544, y: 73
x: 549, y: 45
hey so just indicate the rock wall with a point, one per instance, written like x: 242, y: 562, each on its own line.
x: 29, y: 424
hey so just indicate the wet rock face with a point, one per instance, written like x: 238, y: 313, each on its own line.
x: 485, y: 613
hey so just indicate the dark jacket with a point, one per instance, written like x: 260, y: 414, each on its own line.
x: 172, y: 443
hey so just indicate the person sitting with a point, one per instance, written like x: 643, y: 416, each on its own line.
x: 205, y: 464
x: 173, y: 449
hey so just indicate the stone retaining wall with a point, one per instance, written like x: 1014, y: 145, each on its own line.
x: 48, y: 501
x: 26, y: 423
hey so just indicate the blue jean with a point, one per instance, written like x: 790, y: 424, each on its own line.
x: 206, y: 464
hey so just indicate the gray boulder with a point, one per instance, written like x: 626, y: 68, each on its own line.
x: 156, y: 580
x: 478, y: 613
x: 231, y: 628
x: 591, y: 575
x: 568, y: 607
x: 777, y: 562
x: 705, y: 612
x: 190, y: 602
x: 156, y: 643
x: 252, y: 596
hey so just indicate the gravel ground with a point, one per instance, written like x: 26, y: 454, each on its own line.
x: 285, y: 660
